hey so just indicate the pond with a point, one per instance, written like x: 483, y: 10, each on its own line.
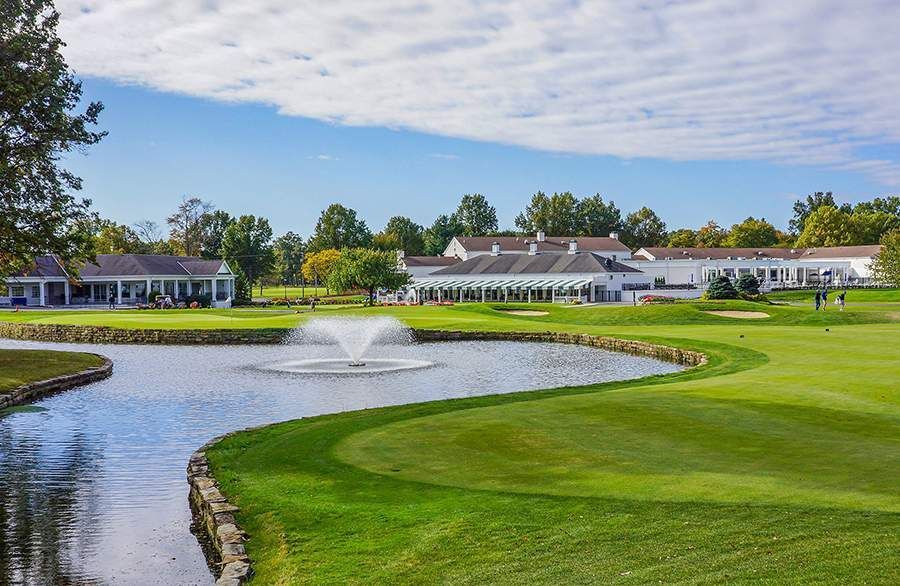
x: 92, y: 481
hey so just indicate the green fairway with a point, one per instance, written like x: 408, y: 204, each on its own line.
x: 290, y: 292
x: 853, y: 295
x: 775, y: 463
x: 19, y: 367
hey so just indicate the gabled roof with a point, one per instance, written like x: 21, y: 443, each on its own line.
x: 549, y: 244
x: 130, y: 265
x: 44, y: 266
x: 864, y: 251
x: 546, y: 263
x: 663, y: 253
x: 429, y: 261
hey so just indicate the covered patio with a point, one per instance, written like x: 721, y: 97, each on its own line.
x: 551, y: 290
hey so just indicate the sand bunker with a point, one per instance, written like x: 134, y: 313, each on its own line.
x: 525, y: 312
x: 740, y: 314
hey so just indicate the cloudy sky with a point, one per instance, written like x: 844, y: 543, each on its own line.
x: 698, y: 108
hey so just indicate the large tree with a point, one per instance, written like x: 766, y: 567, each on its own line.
x: 644, y: 228
x: 804, y: 208
x: 439, y: 235
x: 752, y: 233
x: 682, y: 238
x: 289, y: 250
x: 317, y: 265
x: 885, y: 266
x: 597, y: 217
x: 112, y: 238
x: 213, y: 229
x: 401, y: 233
x: 828, y: 226
x: 151, y: 238
x: 38, y: 124
x: 338, y: 227
x: 870, y: 226
x: 556, y: 214
x: 711, y: 235
x: 475, y: 216
x: 247, y: 246
x: 187, y: 226
x: 888, y: 205
x: 367, y: 269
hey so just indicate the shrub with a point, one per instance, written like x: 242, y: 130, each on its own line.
x: 204, y: 300
x: 721, y: 288
x: 655, y: 299
x: 152, y: 296
x: 748, y: 284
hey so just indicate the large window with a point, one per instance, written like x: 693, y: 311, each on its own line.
x: 36, y: 291
x: 18, y: 291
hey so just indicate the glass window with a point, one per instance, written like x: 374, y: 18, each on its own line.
x: 18, y: 291
x: 36, y: 291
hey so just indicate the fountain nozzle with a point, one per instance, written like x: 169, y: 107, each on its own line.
x: 357, y: 363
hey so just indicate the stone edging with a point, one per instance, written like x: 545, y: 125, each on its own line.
x: 37, y: 390
x: 110, y: 335
x: 215, y: 515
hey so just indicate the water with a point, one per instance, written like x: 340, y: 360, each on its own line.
x: 92, y: 481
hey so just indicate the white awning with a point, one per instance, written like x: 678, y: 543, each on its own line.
x: 495, y: 283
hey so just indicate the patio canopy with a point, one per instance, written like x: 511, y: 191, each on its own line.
x: 488, y: 283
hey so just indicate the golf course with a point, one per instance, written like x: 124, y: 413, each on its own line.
x: 776, y: 461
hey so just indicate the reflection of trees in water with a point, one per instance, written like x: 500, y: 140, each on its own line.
x: 43, y: 496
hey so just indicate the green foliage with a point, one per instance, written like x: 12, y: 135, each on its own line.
x: 682, y: 238
x: 439, y: 235
x: 475, y: 216
x: 721, y: 288
x: 38, y: 95
x: 366, y: 269
x: 556, y: 214
x: 870, y: 226
x: 804, y: 208
x: 289, y: 251
x: 214, y: 225
x: 401, y: 233
x: 187, y: 226
x: 711, y: 235
x: 596, y: 217
x: 247, y: 247
x: 112, y: 238
x: 885, y: 266
x: 338, y: 227
x: 748, y: 284
x: 752, y: 233
x: 317, y: 265
x: 151, y: 297
x: 643, y: 228
x: 828, y: 226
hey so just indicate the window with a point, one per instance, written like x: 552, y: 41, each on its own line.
x: 18, y: 291
x: 36, y: 291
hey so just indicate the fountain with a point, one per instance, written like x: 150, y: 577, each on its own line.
x: 355, y: 336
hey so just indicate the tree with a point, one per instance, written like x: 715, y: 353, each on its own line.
x: 213, y: 230
x: 367, y: 269
x: 112, y: 238
x: 401, y: 233
x: 682, y: 238
x: 752, y: 233
x: 711, y: 235
x: 721, y: 288
x: 644, y: 228
x: 748, y: 284
x: 870, y: 226
x: 885, y: 266
x: 828, y: 226
x: 338, y: 227
x: 439, y: 235
x: 317, y: 265
x: 187, y: 225
x: 556, y: 215
x: 889, y: 205
x: 803, y: 209
x: 38, y: 96
x: 289, y: 251
x: 475, y: 216
x: 597, y: 218
x: 247, y: 247
x: 151, y: 238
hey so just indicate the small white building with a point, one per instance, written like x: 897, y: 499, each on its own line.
x: 774, y: 267
x: 466, y: 247
x: 129, y: 278
x: 562, y: 277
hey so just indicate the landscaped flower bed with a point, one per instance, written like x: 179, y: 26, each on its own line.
x: 655, y: 299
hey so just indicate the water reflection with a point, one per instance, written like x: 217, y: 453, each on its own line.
x: 93, y: 490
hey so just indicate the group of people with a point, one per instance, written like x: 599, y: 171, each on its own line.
x: 822, y: 299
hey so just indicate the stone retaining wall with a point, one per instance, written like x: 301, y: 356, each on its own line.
x: 37, y: 390
x: 108, y: 335
x: 215, y: 517
x: 667, y: 353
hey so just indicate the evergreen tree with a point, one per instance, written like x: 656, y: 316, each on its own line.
x: 748, y: 284
x: 721, y: 288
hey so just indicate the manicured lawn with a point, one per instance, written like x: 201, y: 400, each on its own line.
x: 292, y: 292
x: 19, y: 367
x: 775, y: 463
x: 853, y: 296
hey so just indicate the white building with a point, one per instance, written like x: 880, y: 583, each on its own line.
x: 774, y: 267
x: 127, y: 277
x: 421, y: 266
x: 557, y: 276
x: 466, y: 247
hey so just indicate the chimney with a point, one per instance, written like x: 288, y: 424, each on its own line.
x: 541, y: 236
x: 495, y: 249
x: 614, y: 235
x: 573, y: 246
x: 532, y: 247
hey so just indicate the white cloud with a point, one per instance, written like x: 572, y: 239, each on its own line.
x: 323, y: 157
x: 800, y: 82
x: 445, y: 156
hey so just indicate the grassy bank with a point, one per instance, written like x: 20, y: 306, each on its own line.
x: 19, y: 367
x: 774, y: 463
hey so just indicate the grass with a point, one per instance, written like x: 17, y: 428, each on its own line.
x: 853, y: 296
x: 19, y: 367
x: 292, y: 292
x: 774, y: 463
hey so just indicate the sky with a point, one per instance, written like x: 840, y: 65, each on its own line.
x: 699, y: 109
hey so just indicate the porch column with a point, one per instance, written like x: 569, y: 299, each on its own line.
x: 529, y: 295
x: 460, y: 294
x: 482, y: 294
x: 119, y: 292
x: 67, y: 292
x: 213, y: 288
x: 43, y: 295
x: 147, y: 291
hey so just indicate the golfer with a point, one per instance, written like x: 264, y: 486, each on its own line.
x: 824, y: 299
x: 840, y: 299
x: 818, y: 299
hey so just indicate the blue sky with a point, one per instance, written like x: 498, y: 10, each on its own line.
x: 699, y: 109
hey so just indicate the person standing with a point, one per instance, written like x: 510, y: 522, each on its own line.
x: 840, y: 299
x: 818, y: 299
x: 112, y: 301
x: 824, y: 299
